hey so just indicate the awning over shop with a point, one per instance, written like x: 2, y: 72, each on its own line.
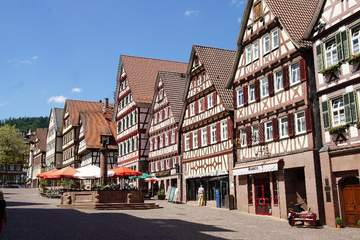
x: 67, y: 172
x: 260, y: 168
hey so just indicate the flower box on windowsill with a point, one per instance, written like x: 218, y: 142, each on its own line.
x: 331, y: 73
x: 355, y: 62
x: 339, y: 133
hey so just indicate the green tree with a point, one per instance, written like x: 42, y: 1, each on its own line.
x: 12, y: 145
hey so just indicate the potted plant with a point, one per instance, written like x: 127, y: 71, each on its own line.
x: 355, y: 59
x: 331, y: 73
x: 339, y: 222
x: 161, y: 194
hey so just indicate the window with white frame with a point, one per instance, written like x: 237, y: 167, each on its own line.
x: 201, y: 104
x: 161, y: 141
x: 300, y: 122
x: 283, y: 127
x: 165, y: 113
x: 166, y: 139
x: 264, y: 83
x: 252, y: 93
x: 240, y: 97
x: 248, y: 55
x: 338, y: 112
x: 331, y: 54
x: 242, y: 137
x: 224, y: 130
x: 210, y: 100
x: 213, y: 133
x: 195, y: 139
x: 159, y: 116
x: 255, y: 134
x: 203, y: 136
x: 268, y: 131
x: 256, y: 50
x: 187, y: 142
x: 172, y: 136
x: 295, y: 73
x: 275, y: 39
x: 355, y: 40
x: 192, y: 109
x: 266, y: 43
x: 156, y: 143
x: 279, y: 81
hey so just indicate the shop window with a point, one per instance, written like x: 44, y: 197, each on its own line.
x: 275, y: 189
x: 249, y: 190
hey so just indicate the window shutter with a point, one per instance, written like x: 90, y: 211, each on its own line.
x: 169, y: 137
x: 261, y: 133
x: 208, y: 135
x: 199, y: 138
x: 205, y: 103
x: 230, y: 128
x: 271, y: 84
x: 303, y: 70
x: 246, y: 94
x: 218, y: 137
x: 291, y: 125
x: 345, y: 44
x: 215, y: 98
x: 257, y: 90
x: 196, y: 106
x: 191, y: 141
x: 339, y: 47
x: 350, y: 108
x: 308, y: 119
x: 248, y: 136
x: 319, y: 57
x: 325, y: 114
x: 235, y: 102
x: 286, y: 77
x: 275, y: 125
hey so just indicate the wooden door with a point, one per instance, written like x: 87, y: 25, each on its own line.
x: 351, y: 204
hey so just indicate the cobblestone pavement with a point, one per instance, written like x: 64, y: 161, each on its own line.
x: 33, y: 217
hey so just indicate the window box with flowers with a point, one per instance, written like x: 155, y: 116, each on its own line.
x: 339, y: 133
x: 355, y: 62
x: 331, y: 73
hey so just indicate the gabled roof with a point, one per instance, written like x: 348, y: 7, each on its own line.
x: 96, y: 124
x: 218, y: 64
x: 295, y: 16
x: 40, y: 138
x: 141, y: 74
x: 174, y: 85
x: 74, y: 107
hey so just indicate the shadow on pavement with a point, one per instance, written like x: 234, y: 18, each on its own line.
x: 17, y: 204
x: 37, y: 223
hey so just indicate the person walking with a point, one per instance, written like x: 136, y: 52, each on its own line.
x: 2, y: 212
x: 201, y: 196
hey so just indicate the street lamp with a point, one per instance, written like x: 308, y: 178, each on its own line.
x: 105, y: 141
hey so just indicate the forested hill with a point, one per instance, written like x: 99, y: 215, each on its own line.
x: 26, y: 123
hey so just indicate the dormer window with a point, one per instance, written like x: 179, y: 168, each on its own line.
x: 257, y: 11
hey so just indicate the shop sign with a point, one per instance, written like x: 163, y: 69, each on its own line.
x: 163, y: 173
x: 256, y: 169
x: 210, y: 174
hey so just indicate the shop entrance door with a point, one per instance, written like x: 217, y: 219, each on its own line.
x: 262, y: 196
x: 224, y: 193
x: 351, y: 203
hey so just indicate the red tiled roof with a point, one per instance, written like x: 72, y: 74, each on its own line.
x: 40, y: 138
x: 142, y: 72
x: 74, y: 107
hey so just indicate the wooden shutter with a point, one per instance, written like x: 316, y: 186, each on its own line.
x: 248, y: 136
x: 196, y: 106
x: 275, y: 125
x: 325, y: 114
x: 218, y: 134
x: 230, y: 128
x: 246, y: 95
x: 199, y: 138
x: 208, y: 135
x: 215, y: 98
x: 261, y: 133
x: 257, y: 90
x: 205, y: 103
x: 339, y: 46
x: 191, y: 141
x: 308, y: 119
x: 303, y: 70
x: 169, y: 137
x: 291, y: 125
x: 319, y: 57
x: 235, y: 102
x: 286, y: 77
x: 345, y: 44
x: 350, y: 108
x: 270, y: 78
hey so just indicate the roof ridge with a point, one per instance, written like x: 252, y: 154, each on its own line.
x: 87, y: 101
x: 151, y: 58
x: 215, y: 48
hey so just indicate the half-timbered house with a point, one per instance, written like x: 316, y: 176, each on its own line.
x: 164, y: 158
x: 134, y: 94
x: 37, y: 154
x: 54, y: 140
x: 335, y: 33
x: 206, y: 125
x: 276, y: 161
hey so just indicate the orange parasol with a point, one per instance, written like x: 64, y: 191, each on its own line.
x: 67, y: 172
x: 43, y: 174
x: 125, y: 172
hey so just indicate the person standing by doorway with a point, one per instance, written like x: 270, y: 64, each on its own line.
x: 2, y: 213
x: 201, y: 196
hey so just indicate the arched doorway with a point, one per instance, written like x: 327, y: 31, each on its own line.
x: 350, y: 190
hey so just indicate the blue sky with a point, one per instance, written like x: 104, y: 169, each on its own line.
x: 57, y: 49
